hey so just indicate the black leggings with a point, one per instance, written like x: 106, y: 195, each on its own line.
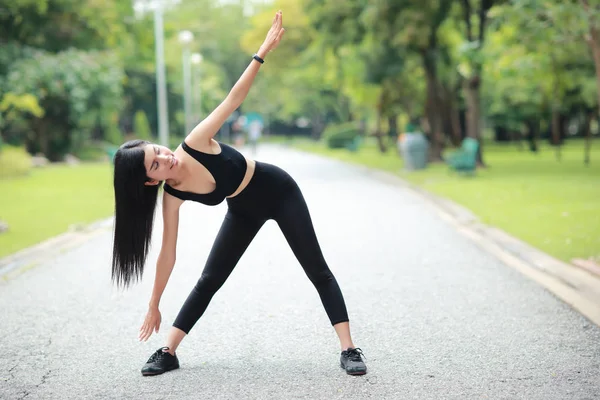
x: 271, y: 194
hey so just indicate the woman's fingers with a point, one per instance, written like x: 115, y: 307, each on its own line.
x: 142, y: 333
x: 276, y: 31
x: 147, y: 334
x: 145, y: 331
x: 276, y: 21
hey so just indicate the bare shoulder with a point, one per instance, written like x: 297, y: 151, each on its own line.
x: 202, y: 143
x: 171, y: 204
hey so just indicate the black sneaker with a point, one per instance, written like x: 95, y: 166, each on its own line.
x: 160, y: 362
x: 352, y: 362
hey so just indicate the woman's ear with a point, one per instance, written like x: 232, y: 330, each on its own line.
x: 151, y: 182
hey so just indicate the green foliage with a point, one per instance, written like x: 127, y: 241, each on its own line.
x: 16, y: 109
x: 14, y: 162
x: 547, y: 66
x: 113, y: 135
x: 25, y: 103
x: 341, y: 135
x: 72, y: 71
x: 141, y: 126
x: 57, y: 25
x: 78, y: 91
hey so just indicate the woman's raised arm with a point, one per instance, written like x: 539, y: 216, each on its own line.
x: 201, y: 135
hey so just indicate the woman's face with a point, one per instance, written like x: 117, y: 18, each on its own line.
x: 160, y: 162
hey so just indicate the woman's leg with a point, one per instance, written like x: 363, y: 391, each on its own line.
x: 295, y: 222
x: 231, y: 242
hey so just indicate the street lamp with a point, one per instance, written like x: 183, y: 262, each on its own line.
x: 185, y: 38
x: 197, y: 60
x: 141, y: 7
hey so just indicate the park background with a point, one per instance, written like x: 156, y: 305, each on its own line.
x: 351, y: 80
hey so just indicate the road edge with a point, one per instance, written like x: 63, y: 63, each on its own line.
x: 28, y: 258
x: 575, y: 286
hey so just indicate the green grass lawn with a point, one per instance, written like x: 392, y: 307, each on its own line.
x: 51, y: 199
x: 554, y: 206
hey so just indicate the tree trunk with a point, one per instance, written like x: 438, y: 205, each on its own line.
x: 471, y: 89
x: 393, y: 129
x: 450, y: 123
x: 588, y: 137
x: 533, y: 128
x: 556, y: 131
x: 378, y: 132
x: 594, y: 43
x: 318, y: 125
x: 433, y: 114
x: 556, y: 120
x: 455, y: 121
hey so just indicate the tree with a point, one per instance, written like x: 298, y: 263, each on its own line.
x: 475, y: 13
x: 300, y: 78
x: 78, y: 91
x: 552, y: 33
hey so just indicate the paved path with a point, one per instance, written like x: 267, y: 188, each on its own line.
x: 437, y: 317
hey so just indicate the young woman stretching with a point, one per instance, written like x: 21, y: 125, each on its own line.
x: 206, y: 171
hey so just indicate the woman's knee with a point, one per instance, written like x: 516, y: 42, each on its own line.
x: 321, y: 277
x: 208, y: 284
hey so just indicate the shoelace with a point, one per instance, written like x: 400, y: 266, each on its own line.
x: 158, y: 355
x: 355, y: 354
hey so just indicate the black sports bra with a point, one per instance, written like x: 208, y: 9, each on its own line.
x: 228, y: 168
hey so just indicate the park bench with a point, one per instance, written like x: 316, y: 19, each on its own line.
x: 465, y: 158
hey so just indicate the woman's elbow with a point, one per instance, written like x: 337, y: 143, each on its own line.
x: 167, y: 258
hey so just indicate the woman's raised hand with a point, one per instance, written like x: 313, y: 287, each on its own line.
x: 275, y: 33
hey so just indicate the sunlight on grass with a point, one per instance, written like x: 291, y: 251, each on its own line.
x: 48, y: 201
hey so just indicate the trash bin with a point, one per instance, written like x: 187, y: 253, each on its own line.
x: 354, y: 144
x: 414, y: 149
x: 110, y: 152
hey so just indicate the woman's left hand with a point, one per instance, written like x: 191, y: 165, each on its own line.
x: 275, y: 33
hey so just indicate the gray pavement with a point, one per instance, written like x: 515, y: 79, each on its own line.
x: 437, y: 317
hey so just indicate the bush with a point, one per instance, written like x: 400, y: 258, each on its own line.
x: 95, y: 151
x: 341, y: 135
x: 113, y: 135
x: 14, y: 162
x: 141, y: 127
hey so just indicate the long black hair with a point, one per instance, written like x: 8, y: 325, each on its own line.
x: 135, y: 203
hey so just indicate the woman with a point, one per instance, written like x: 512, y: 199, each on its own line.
x: 204, y: 170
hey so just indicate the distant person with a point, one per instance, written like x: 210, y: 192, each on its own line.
x: 206, y: 171
x: 254, y: 134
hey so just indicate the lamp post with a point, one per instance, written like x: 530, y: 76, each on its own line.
x: 185, y: 38
x: 197, y: 60
x: 140, y: 7
x: 161, y: 79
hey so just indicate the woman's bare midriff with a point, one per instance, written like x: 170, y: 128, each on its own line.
x: 251, y: 166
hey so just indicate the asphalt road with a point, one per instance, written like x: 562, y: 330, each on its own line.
x: 436, y: 316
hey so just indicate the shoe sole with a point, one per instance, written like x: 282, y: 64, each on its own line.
x: 353, y: 373
x: 158, y: 373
